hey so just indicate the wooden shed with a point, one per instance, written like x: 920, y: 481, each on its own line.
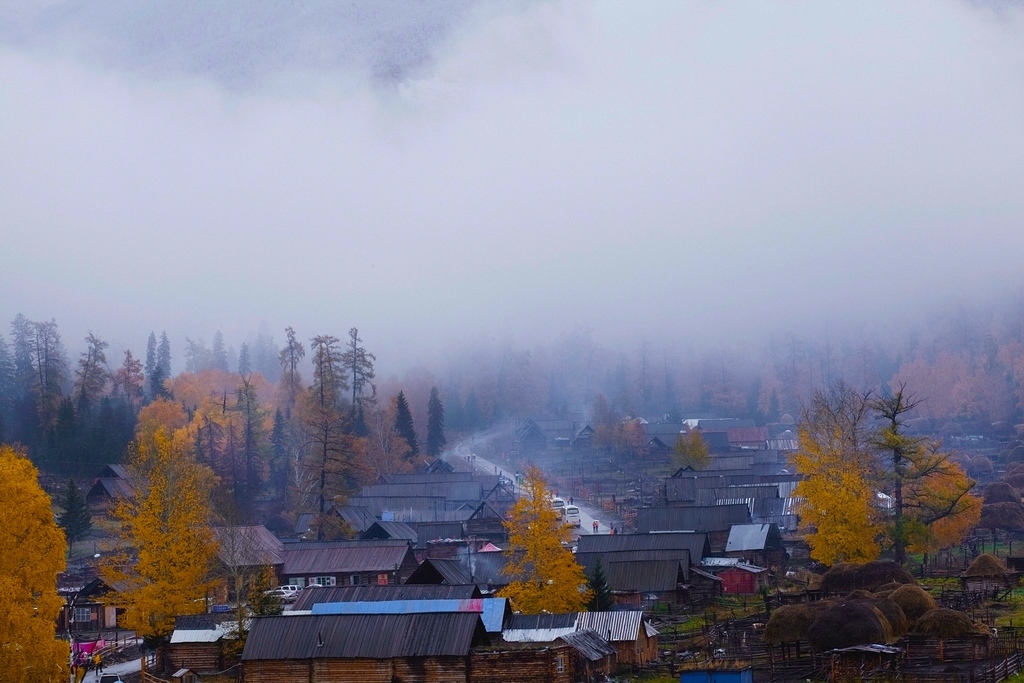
x: 551, y: 664
x: 369, y: 648
x: 201, y: 643
x: 988, y: 574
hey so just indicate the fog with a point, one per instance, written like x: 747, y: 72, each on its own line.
x: 451, y: 173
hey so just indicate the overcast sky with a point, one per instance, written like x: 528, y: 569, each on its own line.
x: 432, y: 172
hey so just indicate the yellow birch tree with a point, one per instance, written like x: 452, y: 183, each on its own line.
x: 546, y: 576
x: 837, y: 494
x: 162, y: 567
x: 33, y: 556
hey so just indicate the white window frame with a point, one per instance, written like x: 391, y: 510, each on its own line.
x: 300, y: 582
x: 323, y: 581
x: 83, y: 611
x: 560, y: 664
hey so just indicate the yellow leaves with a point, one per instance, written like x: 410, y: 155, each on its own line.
x: 33, y: 555
x: 547, y: 577
x: 837, y: 501
x: 167, y: 546
x: 940, y: 499
x: 691, y: 451
x: 162, y: 413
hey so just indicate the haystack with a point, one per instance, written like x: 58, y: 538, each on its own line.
x: 843, y: 578
x: 986, y: 566
x: 860, y: 594
x: 1001, y: 492
x: 914, y: 601
x: 893, y: 613
x: 1016, y: 480
x: 790, y: 623
x: 947, y: 623
x: 1002, y: 516
x: 848, y: 624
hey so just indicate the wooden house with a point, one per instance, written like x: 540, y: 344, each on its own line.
x: 333, y: 563
x: 593, y: 657
x: 91, y: 608
x: 244, y: 550
x: 527, y: 662
x: 758, y: 544
x: 714, y: 520
x: 369, y: 648
x: 738, y: 578
x: 634, y: 640
x: 111, y: 486
x: 202, y: 643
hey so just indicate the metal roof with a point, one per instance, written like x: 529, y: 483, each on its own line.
x: 361, y: 636
x: 748, y: 537
x: 589, y: 643
x: 474, y: 605
x: 246, y: 546
x: 392, y: 530
x: 450, y: 571
x: 226, y: 629
x: 696, y: 543
x: 696, y: 518
x: 450, y: 490
x: 645, y: 576
x: 623, y: 625
x: 434, y: 531
x: 366, y: 593
x: 339, y: 557
x: 491, y: 610
x: 539, y: 628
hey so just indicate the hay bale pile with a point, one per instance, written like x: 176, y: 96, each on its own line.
x: 986, y: 566
x: 843, y: 577
x: 947, y: 623
x: 1001, y: 492
x: 914, y: 601
x: 1002, y: 516
x: 893, y: 613
x: 790, y: 623
x: 847, y: 624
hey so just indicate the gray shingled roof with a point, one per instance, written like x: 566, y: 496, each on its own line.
x: 696, y: 518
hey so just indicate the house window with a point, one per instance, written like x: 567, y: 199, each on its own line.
x: 83, y: 615
x: 382, y: 579
x: 354, y: 580
x: 300, y: 582
x: 323, y: 580
x: 560, y: 664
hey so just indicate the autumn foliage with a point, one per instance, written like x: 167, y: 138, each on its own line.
x: 837, y: 500
x: 28, y: 578
x: 166, y: 547
x: 546, y: 576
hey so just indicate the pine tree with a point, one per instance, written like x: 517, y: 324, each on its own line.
x: 265, y: 355
x: 244, y: 362
x: 404, y: 425
x: 163, y: 355
x: 220, y: 354
x: 76, y: 520
x: 603, y: 601
x: 435, y: 425
x: 151, y: 355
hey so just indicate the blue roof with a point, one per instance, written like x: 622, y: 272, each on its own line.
x: 491, y: 610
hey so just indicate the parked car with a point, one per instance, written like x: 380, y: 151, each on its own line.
x: 110, y: 678
x: 287, y: 593
x: 572, y: 516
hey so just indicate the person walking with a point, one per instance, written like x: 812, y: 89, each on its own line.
x: 596, y: 526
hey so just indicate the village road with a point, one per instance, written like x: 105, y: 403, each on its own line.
x: 464, y: 449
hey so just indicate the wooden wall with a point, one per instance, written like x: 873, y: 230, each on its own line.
x: 502, y: 666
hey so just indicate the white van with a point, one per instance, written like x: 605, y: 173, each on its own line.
x: 572, y: 516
